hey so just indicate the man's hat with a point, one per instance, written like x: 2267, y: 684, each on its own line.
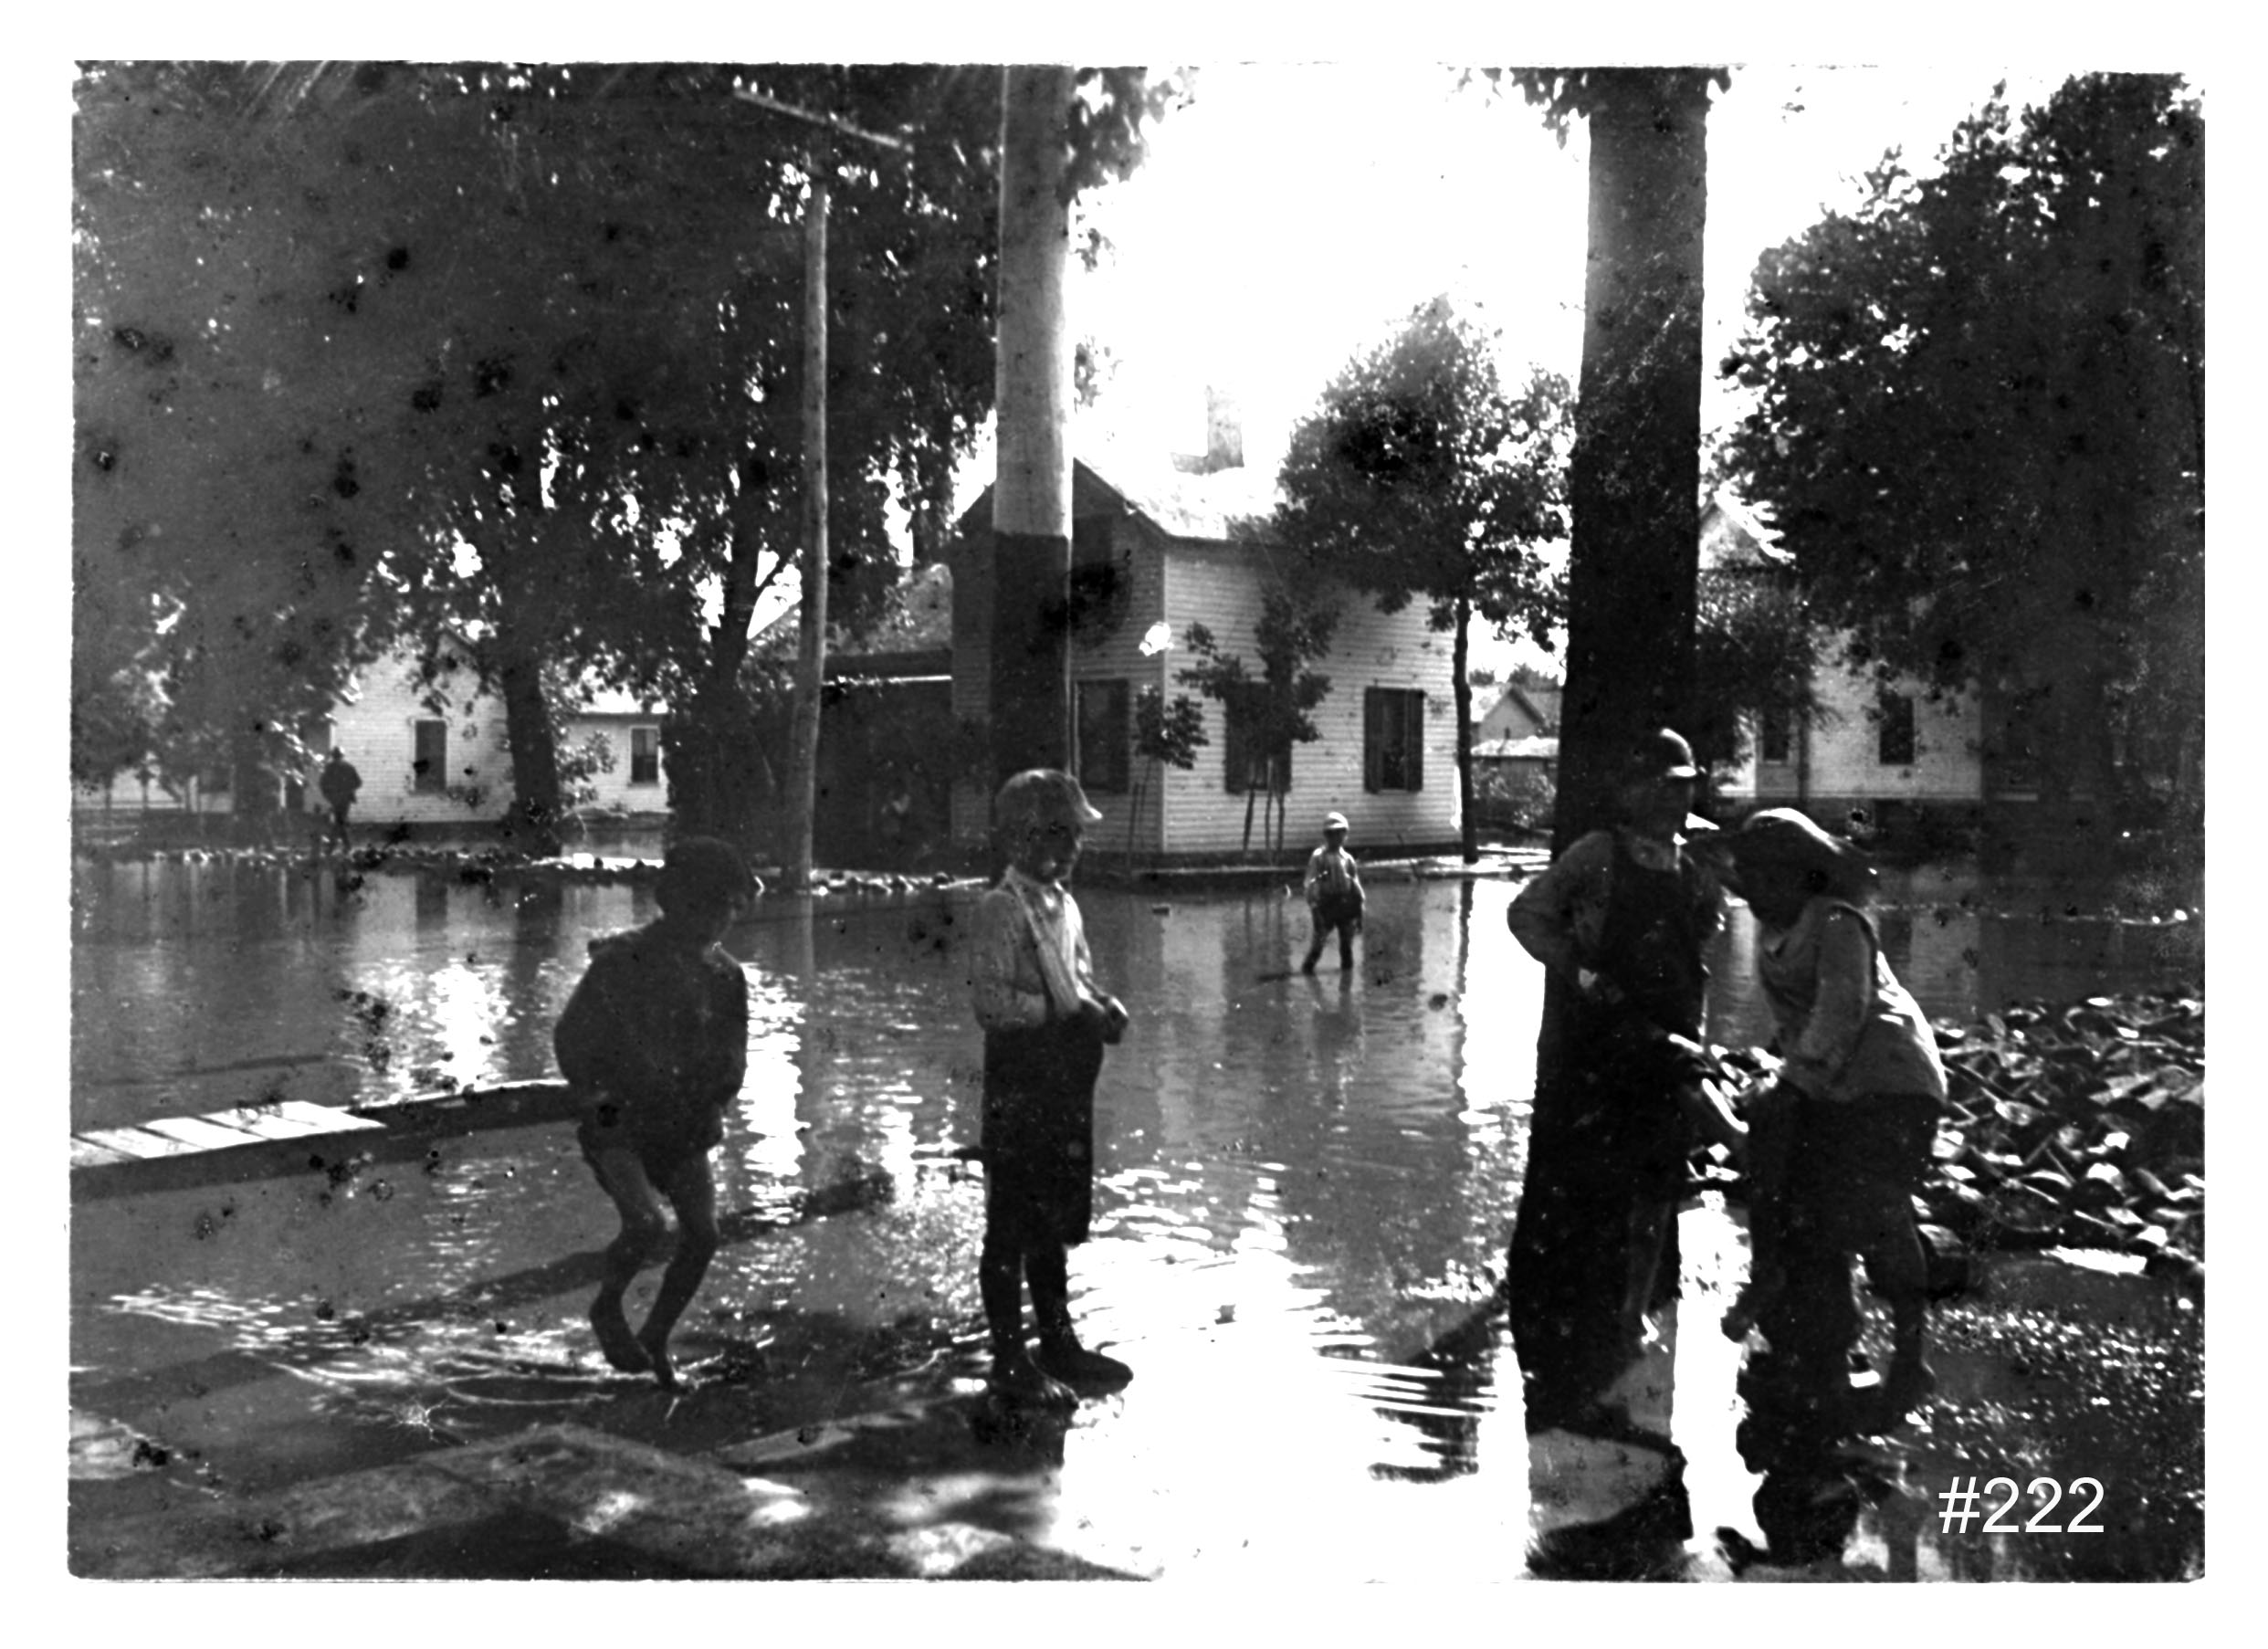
x: 1037, y: 790
x: 702, y: 869
x: 1661, y: 754
x: 1781, y: 836
x: 1334, y: 821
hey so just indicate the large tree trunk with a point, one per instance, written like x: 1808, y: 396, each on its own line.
x: 722, y: 778
x: 1636, y: 476
x: 1461, y: 692
x: 811, y: 658
x: 531, y: 824
x: 1030, y: 695
x: 1631, y: 584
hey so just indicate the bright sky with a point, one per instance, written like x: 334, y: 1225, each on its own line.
x: 1292, y: 214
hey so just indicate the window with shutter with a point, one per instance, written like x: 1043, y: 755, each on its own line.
x: 1105, y: 736
x: 431, y: 762
x: 1394, y: 738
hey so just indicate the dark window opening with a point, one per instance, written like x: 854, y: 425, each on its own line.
x: 1777, y: 739
x: 1394, y: 738
x: 431, y: 762
x: 645, y: 755
x: 1895, y: 737
x: 1244, y: 767
x: 1104, y: 736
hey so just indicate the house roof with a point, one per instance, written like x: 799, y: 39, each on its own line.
x: 1179, y: 503
x: 1113, y: 477
x: 1540, y: 704
x: 1535, y: 747
x: 916, y: 617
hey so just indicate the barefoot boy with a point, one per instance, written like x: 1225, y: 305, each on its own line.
x: 654, y: 1038
x: 1334, y: 889
x: 1045, y: 1023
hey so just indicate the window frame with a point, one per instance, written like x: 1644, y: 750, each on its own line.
x: 435, y: 781
x: 653, y: 730
x: 1894, y: 731
x: 1775, y: 727
x: 1236, y: 765
x: 1400, y: 710
x: 1117, y: 763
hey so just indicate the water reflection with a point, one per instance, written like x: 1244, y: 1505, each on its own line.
x: 1304, y: 1189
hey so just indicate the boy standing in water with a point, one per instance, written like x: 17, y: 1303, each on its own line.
x: 1045, y: 1024
x: 1334, y: 890
x: 1839, y: 1145
x: 655, y: 1039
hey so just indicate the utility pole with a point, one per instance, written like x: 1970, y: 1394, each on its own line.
x: 1029, y: 701
x: 811, y: 648
x: 811, y: 651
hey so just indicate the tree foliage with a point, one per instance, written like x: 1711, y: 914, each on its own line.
x: 1980, y: 422
x: 1420, y: 475
x: 1756, y: 654
x: 511, y: 353
x: 1167, y: 733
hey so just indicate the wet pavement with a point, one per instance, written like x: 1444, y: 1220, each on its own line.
x: 1305, y: 1190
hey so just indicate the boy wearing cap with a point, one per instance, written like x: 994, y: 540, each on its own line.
x: 655, y: 1041
x: 1045, y: 1024
x: 1334, y: 890
x: 1623, y: 915
x: 1840, y: 1143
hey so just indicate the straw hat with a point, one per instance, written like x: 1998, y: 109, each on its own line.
x: 1037, y: 791
x: 1334, y: 821
x: 1781, y: 836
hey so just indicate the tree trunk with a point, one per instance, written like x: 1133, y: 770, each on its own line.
x: 1460, y: 650
x: 531, y: 824
x: 1635, y: 474
x: 1030, y: 697
x: 1634, y: 483
x: 810, y: 657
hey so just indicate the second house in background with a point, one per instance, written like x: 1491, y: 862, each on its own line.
x: 1152, y: 544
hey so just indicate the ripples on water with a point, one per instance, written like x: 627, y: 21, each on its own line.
x: 1304, y: 1183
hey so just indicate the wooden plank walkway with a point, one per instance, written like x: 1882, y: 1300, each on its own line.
x: 292, y: 1136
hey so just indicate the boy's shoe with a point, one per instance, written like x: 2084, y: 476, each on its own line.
x: 1021, y: 1382
x: 1073, y: 1364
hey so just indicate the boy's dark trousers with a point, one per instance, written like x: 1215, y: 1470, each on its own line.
x: 1039, y: 1129
x: 1343, y: 917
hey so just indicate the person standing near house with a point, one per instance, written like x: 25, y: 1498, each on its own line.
x: 1334, y: 890
x: 1623, y: 915
x: 1047, y: 1022
x: 339, y: 784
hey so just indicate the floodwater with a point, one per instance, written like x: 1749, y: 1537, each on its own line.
x: 1304, y: 1187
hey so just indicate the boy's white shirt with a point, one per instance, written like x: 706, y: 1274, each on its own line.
x: 1058, y: 937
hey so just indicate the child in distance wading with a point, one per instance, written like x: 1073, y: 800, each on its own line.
x: 1334, y: 889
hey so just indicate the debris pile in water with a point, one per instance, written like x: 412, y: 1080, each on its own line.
x: 2082, y: 1127
x: 2078, y: 1127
